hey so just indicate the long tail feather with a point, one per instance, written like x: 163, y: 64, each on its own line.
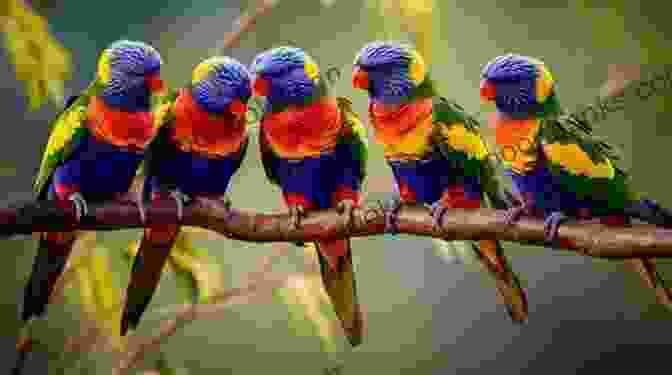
x: 508, y: 286
x: 24, y: 347
x: 339, y: 282
x: 146, y: 272
x: 52, y: 256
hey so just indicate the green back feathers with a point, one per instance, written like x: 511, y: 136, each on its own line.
x: 268, y: 158
x: 162, y: 110
x: 614, y: 192
x: 469, y: 151
x: 66, y: 131
x: 427, y: 88
x: 354, y: 134
x: 569, y: 129
x: 550, y: 107
x: 449, y: 112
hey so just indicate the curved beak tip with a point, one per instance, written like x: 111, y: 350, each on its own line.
x: 487, y: 91
x: 360, y: 79
x: 155, y: 83
x: 261, y: 87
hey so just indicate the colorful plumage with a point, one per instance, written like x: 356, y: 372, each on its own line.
x: 559, y: 169
x: 200, y: 146
x: 314, y: 148
x: 434, y: 149
x: 94, y: 149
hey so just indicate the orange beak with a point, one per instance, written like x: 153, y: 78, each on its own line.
x: 238, y: 107
x: 360, y: 79
x: 154, y: 82
x: 261, y: 87
x: 487, y: 91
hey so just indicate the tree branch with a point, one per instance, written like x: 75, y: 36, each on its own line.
x: 246, y: 22
x: 590, y: 239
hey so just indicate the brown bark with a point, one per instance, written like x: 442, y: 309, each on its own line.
x: 246, y: 22
x: 591, y: 239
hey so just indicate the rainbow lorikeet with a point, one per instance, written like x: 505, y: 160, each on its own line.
x: 434, y: 149
x: 314, y: 147
x: 200, y: 146
x: 96, y: 145
x: 558, y: 167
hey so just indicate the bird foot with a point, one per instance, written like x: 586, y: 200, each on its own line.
x: 181, y: 200
x: 227, y: 202
x: 552, y: 224
x: 437, y: 210
x: 212, y: 202
x: 391, y: 216
x: 81, y: 207
x: 347, y: 208
x: 514, y: 214
x: 133, y: 199
x: 296, y: 215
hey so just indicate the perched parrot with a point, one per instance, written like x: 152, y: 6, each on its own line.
x: 96, y: 145
x: 314, y: 147
x: 201, y: 144
x: 559, y: 169
x: 434, y: 149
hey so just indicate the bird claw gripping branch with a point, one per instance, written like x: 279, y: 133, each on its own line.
x: 392, y: 208
x: 81, y: 208
x: 348, y: 208
x: 437, y: 211
x: 296, y: 214
x: 552, y: 224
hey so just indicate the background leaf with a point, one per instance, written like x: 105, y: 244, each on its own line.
x: 99, y: 296
x: 307, y: 301
x: 39, y: 59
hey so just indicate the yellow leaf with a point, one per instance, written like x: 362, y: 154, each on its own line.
x: 205, y: 273
x: 87, y: 298
x: 99, y: 297
x: 416, y: 17
x: 304, y: 295
x: 38, y: 58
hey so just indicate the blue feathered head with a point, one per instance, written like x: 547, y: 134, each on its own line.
x: 221, y: 84
x: 286, y: 75
x: 129, y: 72
x: 518, y: 85
x: 389, y: 71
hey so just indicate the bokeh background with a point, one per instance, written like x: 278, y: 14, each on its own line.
x: 424, y: 316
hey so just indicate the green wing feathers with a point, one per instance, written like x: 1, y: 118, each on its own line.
x: 268, y: 158
x: 569, y: 129
x: 457, y: 136
x: 584, y: 163
x: 354, y: 134
x: 163, y: 109
x: 66, y: 130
